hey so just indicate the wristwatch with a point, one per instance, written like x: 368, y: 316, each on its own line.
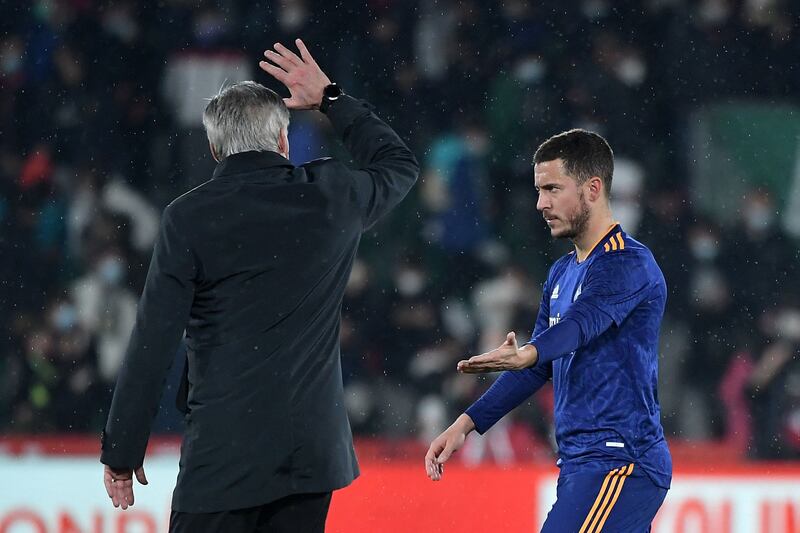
x: 330, y: 94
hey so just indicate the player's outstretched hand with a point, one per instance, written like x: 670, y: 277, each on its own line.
x: 507, y: 356
x: 119, y: 485
x: 445, y: 444
x: 301, y: 75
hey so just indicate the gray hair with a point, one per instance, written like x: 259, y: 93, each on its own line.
x: 243, y: 117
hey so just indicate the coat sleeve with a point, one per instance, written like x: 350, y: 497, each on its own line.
x: 160, y: 322
x: 386, y: 168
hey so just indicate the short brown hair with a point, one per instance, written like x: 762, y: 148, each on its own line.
x: 584, y: 153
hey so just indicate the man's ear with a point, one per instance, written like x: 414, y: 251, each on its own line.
x: 213, y: 152
x: 596, y: 188
x: 283, y: 142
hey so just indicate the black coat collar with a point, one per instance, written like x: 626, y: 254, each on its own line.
x: 246, y: 162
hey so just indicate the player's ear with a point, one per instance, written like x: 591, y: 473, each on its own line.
x: 596, y: 188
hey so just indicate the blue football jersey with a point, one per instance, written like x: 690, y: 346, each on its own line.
x: 606, y: 403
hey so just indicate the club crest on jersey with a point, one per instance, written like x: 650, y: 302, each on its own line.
x: 554, y: 296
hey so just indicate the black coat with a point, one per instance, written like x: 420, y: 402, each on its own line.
x: 253, y: 265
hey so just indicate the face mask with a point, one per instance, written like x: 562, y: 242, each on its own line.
x: 111, y: 270
x: 704, y: 248
x: 65, y: 317
x: 409, y: 283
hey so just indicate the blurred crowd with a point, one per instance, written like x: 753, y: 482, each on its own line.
x: 100, y: 127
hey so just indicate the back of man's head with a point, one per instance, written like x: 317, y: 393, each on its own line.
x: 243, y: 117
x: 583, y: 153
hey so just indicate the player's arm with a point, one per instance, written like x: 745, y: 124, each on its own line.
x: 510, y: 390
x: 387, y: 169
x: 616, y: 284
x: 160, y: 321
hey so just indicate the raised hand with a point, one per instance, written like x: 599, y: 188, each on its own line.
x: 300, y: 74
x: 507, y: 356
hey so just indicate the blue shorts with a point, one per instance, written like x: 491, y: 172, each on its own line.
x: 623, y: 500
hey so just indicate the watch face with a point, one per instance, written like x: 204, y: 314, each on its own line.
x: 333, y: 91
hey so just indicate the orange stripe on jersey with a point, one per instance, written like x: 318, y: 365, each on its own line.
x: 609, y: 230
x: 621, y: 242
x: 617, y: 491
x: 613, y: 244
x: 591, y: 515
x: 606, y: 247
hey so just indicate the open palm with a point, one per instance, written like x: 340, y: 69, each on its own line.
x: 300, y: 74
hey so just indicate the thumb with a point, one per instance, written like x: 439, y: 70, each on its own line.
x: 445, y: 455
x: 511, y: 338
x: 140, y: 475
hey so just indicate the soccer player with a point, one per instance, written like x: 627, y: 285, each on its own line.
x: 596, y: 337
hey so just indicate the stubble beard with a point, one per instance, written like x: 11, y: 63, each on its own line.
x: 577, y: 222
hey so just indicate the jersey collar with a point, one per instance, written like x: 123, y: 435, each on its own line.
x: 612, y: 229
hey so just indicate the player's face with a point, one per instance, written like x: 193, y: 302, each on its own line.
x: 561, y: 200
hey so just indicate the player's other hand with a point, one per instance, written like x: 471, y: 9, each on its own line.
x: 445, y: 444
x: 301, y: 75
x: 119, y: 485
x: 507, y: 356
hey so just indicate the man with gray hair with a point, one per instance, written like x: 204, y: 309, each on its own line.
x: 252, y: 265
x: 246, y: 117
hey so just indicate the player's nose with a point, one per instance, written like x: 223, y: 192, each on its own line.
x: 542, y: 203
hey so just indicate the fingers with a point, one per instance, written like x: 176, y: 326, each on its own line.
x: 126, y: 495
x: 107, y: 485
x: 432, y: 467
x: 122, y: 493
x: 304, y: 53
x: 438, y: 472
x: 279, y: 60
x: 437, y: 466
x: 119, y: 485
x: 466, y: 366
x: 429, y: 462
x: 483, y: 359
x: 475, y: 365
x: 277, y: 73
x: 288, y: 54
x: 140, y: 476
x: 446, y: 453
